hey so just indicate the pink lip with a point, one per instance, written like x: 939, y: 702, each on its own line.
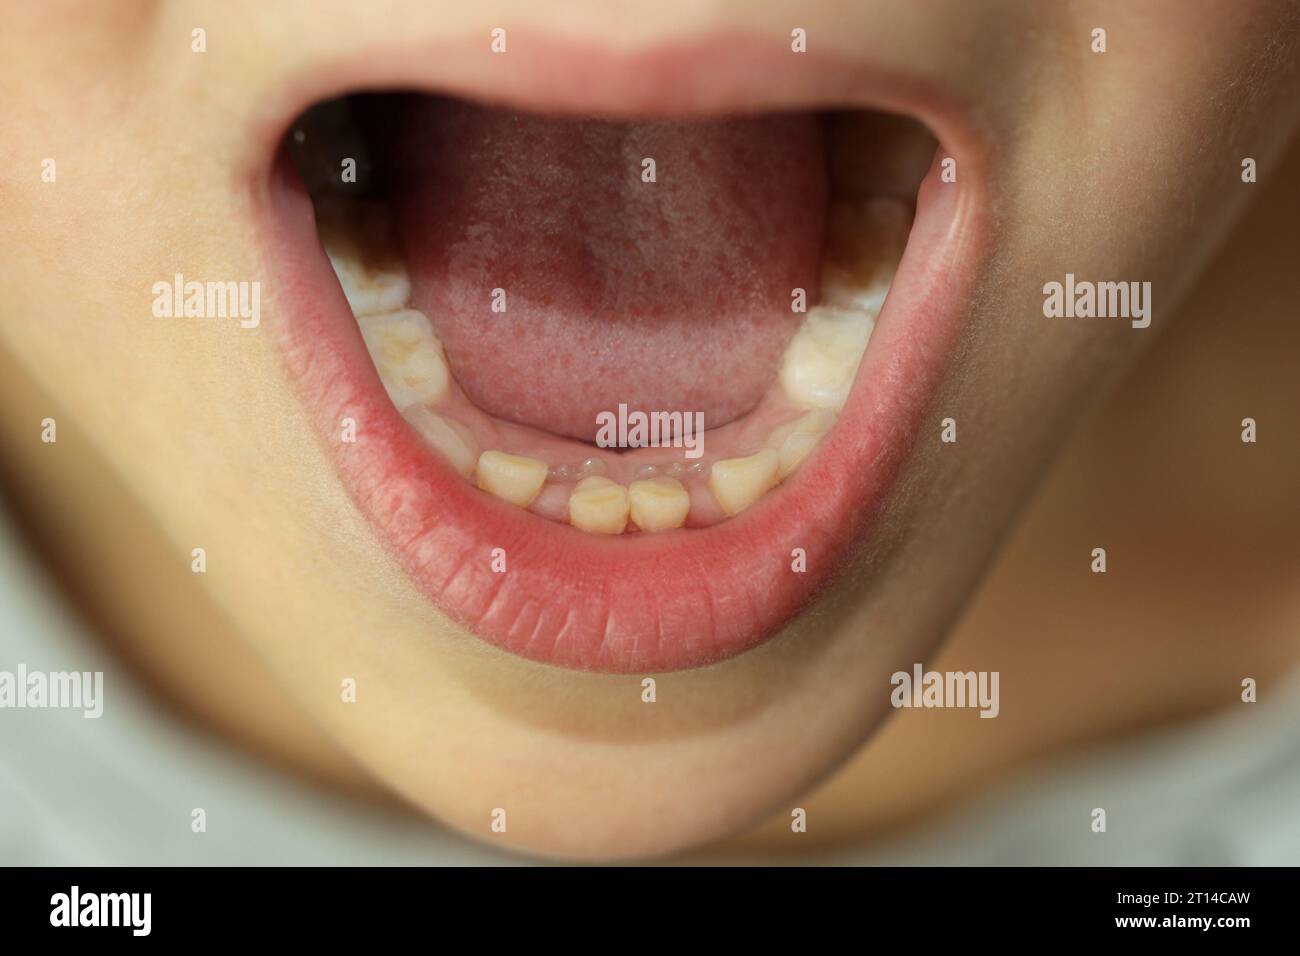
x: 649, y: 602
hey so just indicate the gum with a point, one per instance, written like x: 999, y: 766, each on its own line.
x: 733, y: 440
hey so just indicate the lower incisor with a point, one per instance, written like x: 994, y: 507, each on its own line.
x: 599, y: 506
x: 659, y: 504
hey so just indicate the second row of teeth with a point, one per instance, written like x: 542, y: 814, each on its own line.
x: 817, y: 374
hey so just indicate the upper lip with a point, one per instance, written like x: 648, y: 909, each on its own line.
x: 647, y: 602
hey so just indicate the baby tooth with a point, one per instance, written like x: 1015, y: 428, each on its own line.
x: 659, y: 504
x: 738, y: 482
x: 599, y: 505
x: 513, y: 478
x: 408, y: 356
x: 450, y: 438
x: 370, y: 288
x: 794, y: 441
x: 823, y: 357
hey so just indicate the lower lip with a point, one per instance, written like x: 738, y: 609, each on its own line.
x: 633, y: 603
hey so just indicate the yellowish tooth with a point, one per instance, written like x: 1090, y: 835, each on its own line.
x: 823, y: 357
x: 794, y: 441
x: 452, y: 439
x: 371, y: 286
x: 738, y: 482
x: 513, y: 478
x: 659, y: 504
x: 408, y: 356
x: 598, y: 505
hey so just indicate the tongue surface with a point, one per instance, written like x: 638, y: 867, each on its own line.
x: 664, y: 295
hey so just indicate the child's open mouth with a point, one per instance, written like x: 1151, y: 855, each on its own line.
x: 620, y: 326
x: 603, y: 384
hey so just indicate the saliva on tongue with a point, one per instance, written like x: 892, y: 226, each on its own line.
x: 570, y: 266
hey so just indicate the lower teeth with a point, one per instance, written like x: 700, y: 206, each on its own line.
x: 817, y: 374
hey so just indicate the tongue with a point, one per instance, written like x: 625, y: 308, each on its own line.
x: 664, y: 295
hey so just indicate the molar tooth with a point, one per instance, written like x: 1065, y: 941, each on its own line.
x: 795, y: 440
x: 408, y: 356
x: 514, y: 478
x: 738, y: 482
x: 866, y: 242
x: 452, y: 439
x: 659, y: 504
x: 371, y: 287
x: 599, y: 505
x: 823, y: 357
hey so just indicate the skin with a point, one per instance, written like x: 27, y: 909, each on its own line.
x: 173, y: 436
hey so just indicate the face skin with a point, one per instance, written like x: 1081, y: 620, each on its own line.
x: 1122, y: 165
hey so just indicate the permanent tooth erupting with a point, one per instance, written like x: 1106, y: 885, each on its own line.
x: 526, y: 274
